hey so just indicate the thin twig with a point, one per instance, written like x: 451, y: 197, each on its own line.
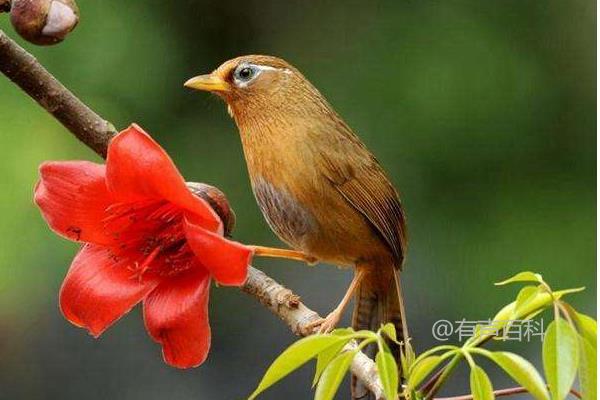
x: 501, y: 393
x: 95, y: 132
x: 434, y: 384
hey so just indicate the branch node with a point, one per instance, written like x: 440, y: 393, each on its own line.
x: 287, y: 299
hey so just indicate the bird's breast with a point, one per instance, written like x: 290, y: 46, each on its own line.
x: 284, y: 213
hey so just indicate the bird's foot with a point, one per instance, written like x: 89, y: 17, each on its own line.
x: 327, y: 324
x: 283, y: 253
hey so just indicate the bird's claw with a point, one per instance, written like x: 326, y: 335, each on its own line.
x: 312, y: 327
x: 311, y: 261
x: 325, y: 325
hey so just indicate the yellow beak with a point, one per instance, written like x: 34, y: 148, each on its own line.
x: 209, y: 83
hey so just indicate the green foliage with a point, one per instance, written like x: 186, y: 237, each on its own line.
x: 587, y: 329
x: 561, y: 357
x: 524, y: 299
x: 333, y: 375
x: 523, y: 372
x: 325, y: 357
x: 481, y: 386
x: 295, y: 356
x: 390, y: 332
x: 586, y: 326
x: 388, y: 372
x: 587, y: 370
x: 569, y: 348
x: 334, y: 356
x: 407, y: 357
x: 525, y: 276
x: 422, y: 369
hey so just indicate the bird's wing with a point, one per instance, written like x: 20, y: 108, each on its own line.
x: 357, y: 176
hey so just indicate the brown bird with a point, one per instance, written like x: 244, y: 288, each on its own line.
x: 321, y: 191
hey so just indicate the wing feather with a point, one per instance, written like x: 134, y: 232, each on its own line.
x: 365, y: 186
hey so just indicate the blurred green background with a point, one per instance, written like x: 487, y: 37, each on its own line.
x: 482, y: 112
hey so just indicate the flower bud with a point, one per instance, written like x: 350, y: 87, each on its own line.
x: 44, y: 22
x: 217, y: 200
x: 4, y: 6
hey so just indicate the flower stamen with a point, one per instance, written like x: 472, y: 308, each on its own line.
x: 140, y: 269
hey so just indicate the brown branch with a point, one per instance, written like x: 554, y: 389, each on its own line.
x: 501, y: 393
x: 26, y: 72
x: 95, y: 132
x: 287, y: 306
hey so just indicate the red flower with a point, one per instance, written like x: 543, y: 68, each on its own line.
x: 147, y: 239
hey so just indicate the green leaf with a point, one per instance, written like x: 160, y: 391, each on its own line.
x: 422, y: 370
x: 536, y: 304
x: 588, y: 328
x: 561, y: 357
x: 364, y: 333
x: 587, y: 370
x: 407, y: 357
x: 388, y: 373
x: 481, y: 387
x: 586, y: 325
x: 532, y: 315
x: 540, y: 301
x: 522, y: 371
x: 294, y: 357
x: 525, y: 276
x: 446, y: 348
x: 560, y: 293
x: 390, y: 330
x: 524, y: 298
x: 325, y: 357
x: 342, y: 332
x: 333, y: 376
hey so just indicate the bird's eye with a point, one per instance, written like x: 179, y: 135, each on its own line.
x: 245, y: 73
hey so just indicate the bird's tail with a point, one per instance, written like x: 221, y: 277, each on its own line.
x: 378, y: 301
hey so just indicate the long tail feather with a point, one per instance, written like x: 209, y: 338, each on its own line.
x: 378, y: 304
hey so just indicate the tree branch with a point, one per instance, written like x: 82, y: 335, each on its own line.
x: 501, y: 393
x: 95, y: 132
x: 287, y: 306
x: 26, y: 72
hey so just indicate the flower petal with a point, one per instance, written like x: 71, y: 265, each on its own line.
x: 72, y: 197
x: 100, y: 288
x: 138, y: 168
x: 226, y: 260
x: 176, y: 316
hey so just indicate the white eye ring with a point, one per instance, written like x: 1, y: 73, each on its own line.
x: 246, y: 73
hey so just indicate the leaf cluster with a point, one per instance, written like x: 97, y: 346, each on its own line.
x: 334, y: 353
x: 568, y: 349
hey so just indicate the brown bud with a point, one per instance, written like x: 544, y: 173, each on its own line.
x: 4, y: 5
x: 44, y: 22
x: 217, y: 200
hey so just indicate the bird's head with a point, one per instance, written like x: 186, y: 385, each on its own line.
x: 257, y: 85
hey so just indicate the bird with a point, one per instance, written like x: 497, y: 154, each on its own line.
x: 319, y: 188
